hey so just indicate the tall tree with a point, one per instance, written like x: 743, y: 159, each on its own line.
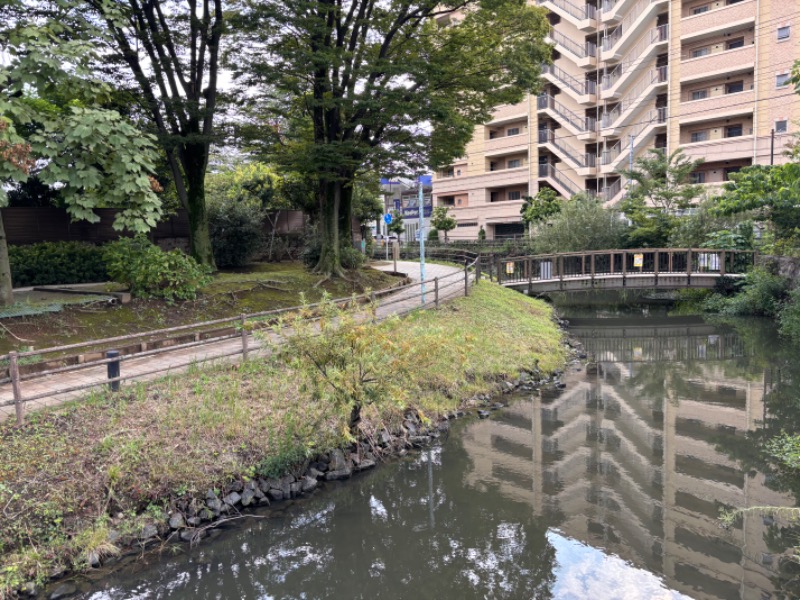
x: 660, y: 185
x: 171, y: 49
x: 389, y: 86
x: 540, y: 207
x: 442, y: 221
x: 93, y: 156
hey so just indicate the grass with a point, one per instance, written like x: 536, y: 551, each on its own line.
x: 260, y: 287
x: 75, y: 478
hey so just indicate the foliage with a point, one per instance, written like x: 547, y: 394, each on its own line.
x: 49, y: 263
x: 659, y: 186
x: 761, y: 293
x: 442, y: 221
x: 582, y: 224
x: 256, y: 184
x: 773, y: 192
x: 789, y: 318
x: 433, y: 235
x: 697, y: 228
x: 150, y: 272
x: 397, y: 225
x: 481, y: 234
x: 545, y: 204
x: 237, y: 231
x: 361, y: 76
x: 741, y: 237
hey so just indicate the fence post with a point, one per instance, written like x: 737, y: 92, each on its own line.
x: 466, y: 281
x: 530, y: 277
x: 13, y: 370
x: 499, y: 272
x: 112, y: 368
x: 477, y: 270
x: 655, y: 266
x: 245, y: 348
x: 436, y: 292
x: 722, y: 264
x: 489, y: 266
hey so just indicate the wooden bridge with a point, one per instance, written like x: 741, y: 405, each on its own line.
x: 640, y: 269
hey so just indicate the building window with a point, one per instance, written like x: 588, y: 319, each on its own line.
x: 699, y: 10
x: 699, y: 94
x: 733, y: 131
x: 492, y: 134
x: 699, y: 136
x: 448, y: 173
x: 513, y: 131
x: 784, y: 32
x: 781, y: 126
x: 494, y: 196
x: 698, y: 52
x: 492, y: 166
x: 734, y: 87
x: 458, y: 173
x: 516, y: 195
x: 782, y: 80
x: 733, y: 44
x: 468, y: 224
x: 729, y: 2
x: 514, y: 164
x: 699, y: 177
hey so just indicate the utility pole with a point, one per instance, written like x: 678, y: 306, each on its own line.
x: 421, y: 231
x: 772, y: 146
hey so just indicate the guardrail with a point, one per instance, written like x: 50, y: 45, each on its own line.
x: 72, y: 369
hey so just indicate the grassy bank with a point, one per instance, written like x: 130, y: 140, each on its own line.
x: 77, y: 480
x: 259, y: 287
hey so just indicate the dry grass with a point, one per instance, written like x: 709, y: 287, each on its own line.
x: 74, y: 473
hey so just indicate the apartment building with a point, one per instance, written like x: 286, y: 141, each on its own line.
x: 708, y: 76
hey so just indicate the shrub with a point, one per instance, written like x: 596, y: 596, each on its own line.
x: 582, y: 225
x: 433, y: 235
x: 152, y: 273
x: 789, y: 317
x: 761, y: 294
x: 351, y: 258
x: 237, y: 231
x: 51, y: 263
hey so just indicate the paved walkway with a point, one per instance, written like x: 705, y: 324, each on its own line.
x: 141, y: 369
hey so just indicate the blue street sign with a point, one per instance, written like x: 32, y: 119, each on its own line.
x: 388, y: 218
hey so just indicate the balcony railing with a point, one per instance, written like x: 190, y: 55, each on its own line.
x: 611, y: 38
x: 610, y: 191
x: 546, y: 101
x: 576, y: 85
x: 548, y: 136
x: 547, y: 170
x: 574, y: 48
x: 656, y: 75
x: 656, y: 116
x: 574, y: 10
x: 656, y: 35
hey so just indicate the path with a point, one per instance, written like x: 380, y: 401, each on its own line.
x: 141, y: 369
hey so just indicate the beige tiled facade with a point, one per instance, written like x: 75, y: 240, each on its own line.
x: 707, y: 76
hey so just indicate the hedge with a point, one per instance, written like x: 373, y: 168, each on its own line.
x: 52, y: 263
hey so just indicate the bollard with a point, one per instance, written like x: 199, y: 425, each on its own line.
x: 113, y: 370
x: 13, y: 371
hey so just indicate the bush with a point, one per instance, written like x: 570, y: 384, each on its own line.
x: 52, y: 263
x: 237, y: 232
x: 582, y: 225
x: 789, y: 317
x: 150, y: 272
x: 433, y: 235
x: 351, y: 258
x: 761, y: 294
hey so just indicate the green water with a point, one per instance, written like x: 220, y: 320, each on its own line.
x: 610, y: 488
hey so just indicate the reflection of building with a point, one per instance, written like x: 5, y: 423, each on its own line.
x: 627, y: 76
x: 628, y: 460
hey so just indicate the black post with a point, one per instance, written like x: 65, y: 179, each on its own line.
x: 113, y: 369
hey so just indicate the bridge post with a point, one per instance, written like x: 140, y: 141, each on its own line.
x: 561, y: 272
x: 530, y: 277
x: 655, y: 266
x: 592, y: 265
x: 613, y: 257
x: 689, y: 267
x: 624, y: 267
x: 722, y: 263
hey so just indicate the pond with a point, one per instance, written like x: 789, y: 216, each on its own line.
x: 610, y: 488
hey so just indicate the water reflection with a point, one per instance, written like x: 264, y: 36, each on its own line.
x: 640, y: 452
x: 608, y: 489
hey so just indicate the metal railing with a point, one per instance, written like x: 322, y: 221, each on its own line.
x: 574, y: 48
x: 578, y: 12
x: 547, y: 170
x: 615, y: 35
x: 655, y: 76
x: 60, y: 373
x: 622, y: 263
x: 546, y: 101
x: 657, y: 116
x: 655, y: 36
x: 548, y: 136
x: 581, y: 88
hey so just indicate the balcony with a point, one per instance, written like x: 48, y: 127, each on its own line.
x: 718, y: 106
x: 573, y: 122
x: 565, y: 186
x: 732, y: 148
x: 618, y: 40
x: 647, y: 87
x: 639, y: 135
x: 582, y: 92
x: 560, y: 148
x: 582, y: 54
x: 719, y: 19
x: 647, y: 46
x: 577, y: 12
x: 507, y: 144
x: 728, y: 61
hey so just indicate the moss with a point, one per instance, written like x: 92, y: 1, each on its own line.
x: 70, y: 471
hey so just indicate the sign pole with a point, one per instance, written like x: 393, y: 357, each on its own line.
x: 421, y: 230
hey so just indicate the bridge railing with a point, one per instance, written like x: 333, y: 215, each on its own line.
x: 620, y: 263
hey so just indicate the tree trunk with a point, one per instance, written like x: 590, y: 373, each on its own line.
x: 346, y: 214
x: 195, y: 159
x: 330, y: 261
x: 6, y: 295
